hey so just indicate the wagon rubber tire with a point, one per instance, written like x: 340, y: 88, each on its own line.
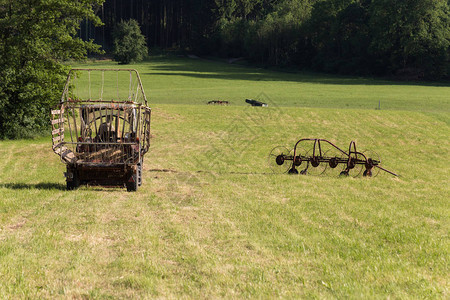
x: 139, y: 173
x: 132, y: 185
x: 74, y: 184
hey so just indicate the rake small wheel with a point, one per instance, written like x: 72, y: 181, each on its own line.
x: 351, y: 163
x: 304, y: 172
x: 313, y: 165
x: 367, y: 173
x: 344, y: 173
x: 355, y: 165
x: 373, y: 160
x: 369, y: 163
x: 293, y: 171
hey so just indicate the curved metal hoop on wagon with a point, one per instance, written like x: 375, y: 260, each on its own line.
x: 101, y: 129
x: 324, y: 156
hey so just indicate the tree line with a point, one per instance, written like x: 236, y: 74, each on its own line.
x: 409, y: 38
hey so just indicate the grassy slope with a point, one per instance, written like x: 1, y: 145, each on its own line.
x: 212, y: 220
x: 190, y: 81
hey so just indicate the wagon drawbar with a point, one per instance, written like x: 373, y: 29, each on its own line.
x: 101, y: 128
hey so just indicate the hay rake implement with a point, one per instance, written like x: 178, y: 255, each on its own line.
x: 324, y: 156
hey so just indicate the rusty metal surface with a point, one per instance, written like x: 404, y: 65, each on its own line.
x: 323, y: 156
x: 104, y: 133
x: 138, y: 97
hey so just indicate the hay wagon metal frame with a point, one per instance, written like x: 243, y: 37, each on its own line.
x: 102, y: 140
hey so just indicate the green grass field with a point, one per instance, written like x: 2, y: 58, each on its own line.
x: 213, y: 221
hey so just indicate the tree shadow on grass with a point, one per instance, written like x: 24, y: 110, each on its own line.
x: 37, y: 186
x: 219, y: 70
x: 50, y: 186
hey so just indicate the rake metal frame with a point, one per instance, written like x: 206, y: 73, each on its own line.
x: 350, y: 158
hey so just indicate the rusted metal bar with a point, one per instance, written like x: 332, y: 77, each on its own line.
x: 75, y: 123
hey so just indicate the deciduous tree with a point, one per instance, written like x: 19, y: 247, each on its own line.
x: 129, y: 43
x: 412, y: 34
x: 35, y: 37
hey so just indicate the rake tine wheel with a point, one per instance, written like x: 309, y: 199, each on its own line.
x: 299, y: 161
x: 278, y: 161
x: 316, y: 164
x: 373, y: 160
x: 354, y: 162
x: 359, y: 165
x: 332, y: 160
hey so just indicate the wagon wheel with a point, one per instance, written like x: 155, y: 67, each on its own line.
x: 276, y: 160
x: 315, y: 167
x: 374, y: 160
x: 75, y: 183
x: 139, y: 172
x: 299, y: 160
x: 133, y: 181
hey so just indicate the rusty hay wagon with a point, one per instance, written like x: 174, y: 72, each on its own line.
x: 101, y: 129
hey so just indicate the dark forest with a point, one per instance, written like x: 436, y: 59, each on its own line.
x: 408, y: 38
